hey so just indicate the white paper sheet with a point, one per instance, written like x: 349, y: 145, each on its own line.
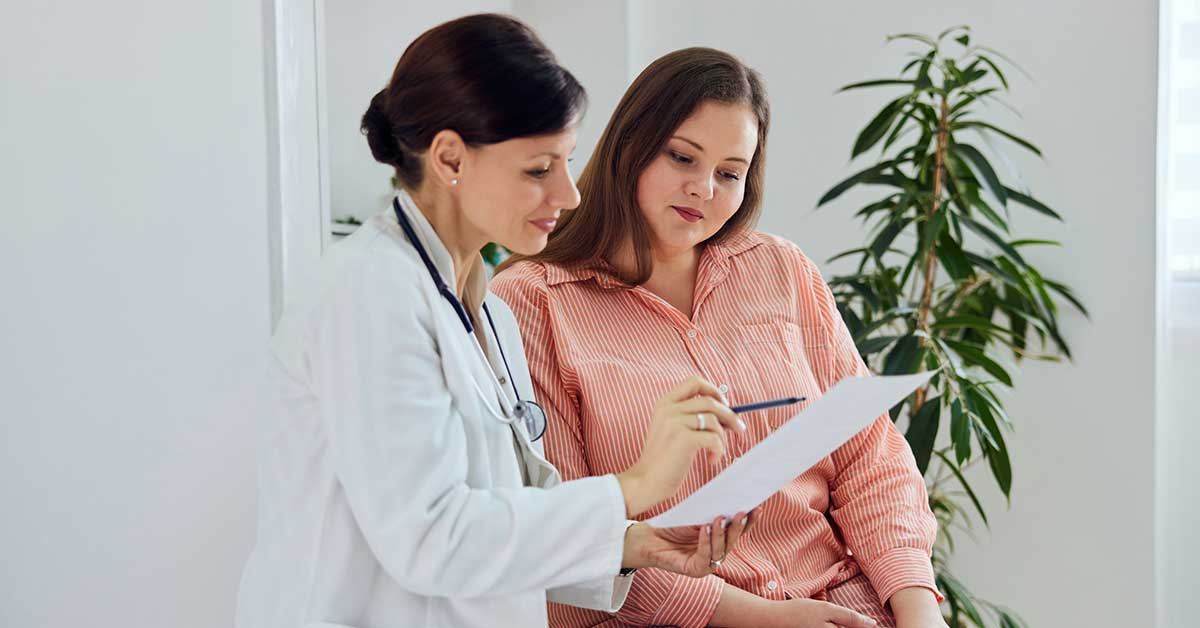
x: 801, y: 442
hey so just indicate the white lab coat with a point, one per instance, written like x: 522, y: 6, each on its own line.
x: 389, y: 495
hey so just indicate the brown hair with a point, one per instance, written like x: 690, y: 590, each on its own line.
x: 487, y: 77
x: 664, y: 95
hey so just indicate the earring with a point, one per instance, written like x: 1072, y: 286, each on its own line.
x: 453, y: 181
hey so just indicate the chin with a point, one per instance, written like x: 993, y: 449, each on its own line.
x: 527, y: 246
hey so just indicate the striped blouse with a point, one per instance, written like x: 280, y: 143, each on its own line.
x: 764, y: 326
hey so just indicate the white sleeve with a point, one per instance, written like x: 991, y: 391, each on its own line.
x: 400, y: 453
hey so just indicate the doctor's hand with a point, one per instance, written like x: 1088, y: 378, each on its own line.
x: 689, y: 420
x: 691, y: 551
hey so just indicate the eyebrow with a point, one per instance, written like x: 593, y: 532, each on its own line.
x: 701, y: 149
x: 551, y: 154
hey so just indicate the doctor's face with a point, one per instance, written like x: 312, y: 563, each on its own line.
x: 698, y: 180
x: 519, y: 187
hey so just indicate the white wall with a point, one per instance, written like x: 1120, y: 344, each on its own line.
x: 1075, y: 549
x: 133, y: 265
x: 363, y: 41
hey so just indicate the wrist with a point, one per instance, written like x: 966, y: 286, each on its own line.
x: 915, y: 604
x: 635, y: 555
x: 633, y: 491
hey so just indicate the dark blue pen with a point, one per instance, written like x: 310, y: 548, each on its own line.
x: 763, y: 405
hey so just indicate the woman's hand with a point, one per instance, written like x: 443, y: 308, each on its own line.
x: 690, y: 551
x: 806, y: 613
x: 689, y: 419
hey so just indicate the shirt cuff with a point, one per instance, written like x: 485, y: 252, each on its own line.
x: 900, y: 568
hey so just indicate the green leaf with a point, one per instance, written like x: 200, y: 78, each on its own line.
x: 913, y: 36
x: 950, y: 254
x: 966, y: 485
x: 952, y: 29
x: 1034, y: 242
x: 878, y: 127
x: 905, y: 357
x: 874, y: 83
x: 1032, y: 203
x: 980, y: 162
x: 996, y: 69
x: 995, y: 451
x: 853, y: 180
x: 1066, y: 293
x: 994, y: 238
x: 1024, y: 143
x: 922, y: 431
x: 976, y: 356
x: 887, y: 235
x: 960, y: 434
x: 966, y: 321
x: 875, y: 345
x: 964, y: 40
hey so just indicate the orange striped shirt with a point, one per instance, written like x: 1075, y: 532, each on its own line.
x: 764, y: 325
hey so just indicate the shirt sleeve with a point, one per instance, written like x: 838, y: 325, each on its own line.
x: 656, y: 597
x: 400, y: 452
x: 878, y: 495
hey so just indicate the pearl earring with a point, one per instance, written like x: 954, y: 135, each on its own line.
x: 453, y: 181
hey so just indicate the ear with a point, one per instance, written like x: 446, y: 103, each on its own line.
x: 447, y: 157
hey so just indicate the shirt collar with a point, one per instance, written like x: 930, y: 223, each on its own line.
x: 476, y: 285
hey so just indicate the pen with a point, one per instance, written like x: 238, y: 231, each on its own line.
x: 763, y: 405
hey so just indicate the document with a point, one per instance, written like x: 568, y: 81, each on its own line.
x: 801, y: 442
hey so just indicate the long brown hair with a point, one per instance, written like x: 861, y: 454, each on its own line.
x: 664, y: 95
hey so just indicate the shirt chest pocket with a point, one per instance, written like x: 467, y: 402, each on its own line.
x: 786, y: 358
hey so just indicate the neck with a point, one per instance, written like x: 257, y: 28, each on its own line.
x: 674, y: 265
x: 458, y: 236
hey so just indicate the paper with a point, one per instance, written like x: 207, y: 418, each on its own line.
x: 801, y: 442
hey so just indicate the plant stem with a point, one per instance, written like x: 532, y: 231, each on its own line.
x: 939, y: 158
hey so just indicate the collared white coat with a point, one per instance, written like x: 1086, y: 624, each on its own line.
x: 389, y: 494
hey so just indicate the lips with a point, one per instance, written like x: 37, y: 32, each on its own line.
x: 687, y: 213
x: 545, y: 224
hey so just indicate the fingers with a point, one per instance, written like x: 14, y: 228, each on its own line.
x: 692, y: 387
x: 710, y: 442
x: 718, y: 538
x: 704, y: 548
x: 843, y: 616
x: 737, y: 526
x: 713, y: 408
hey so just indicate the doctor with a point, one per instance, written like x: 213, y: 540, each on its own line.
x: 402, y: 481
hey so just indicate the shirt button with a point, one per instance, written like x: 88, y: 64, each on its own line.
x: 691, y: 333
x: 772, y: 585
x: 504, y: 380
x: 724, y: 388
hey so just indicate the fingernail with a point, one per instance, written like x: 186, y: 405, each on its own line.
x: 741, y: 425
x: 724, y: 524
x: 745, y: 519
x: 708, y: 529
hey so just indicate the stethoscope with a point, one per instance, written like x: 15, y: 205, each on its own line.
x: 529, y: 413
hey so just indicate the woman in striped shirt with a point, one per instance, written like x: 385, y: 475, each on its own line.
x: 659, y: 275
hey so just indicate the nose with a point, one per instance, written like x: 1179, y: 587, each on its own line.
x: 564, y: 194
x: 701, y: 188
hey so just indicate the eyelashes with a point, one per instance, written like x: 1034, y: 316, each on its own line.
x: 682, y: 159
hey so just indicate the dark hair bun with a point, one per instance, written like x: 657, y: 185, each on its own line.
x: 486, y: 77
x: 378, y: 129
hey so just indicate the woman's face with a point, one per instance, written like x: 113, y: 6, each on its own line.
x: 696, y: 183
x: 513, y: 191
